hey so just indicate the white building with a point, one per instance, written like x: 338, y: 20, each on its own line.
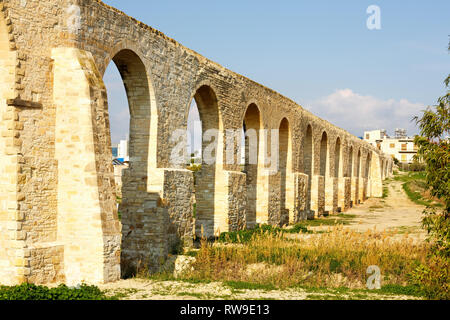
x: 400, y: 146
x: 122, y: 151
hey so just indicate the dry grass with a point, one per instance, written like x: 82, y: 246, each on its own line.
x: 339, y: 258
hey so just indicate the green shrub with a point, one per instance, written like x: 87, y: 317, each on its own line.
x: 33, y: 292
x: 244, y: 236
x: 432, y: 278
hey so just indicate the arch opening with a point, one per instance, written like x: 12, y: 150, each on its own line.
x: 285, y: 169
x: 251, y: 148
x: 358, y: 165
x: 350, y: 163
x: 206, y: 143
x: 337, y: 158
x: 130, y: 115
x: 323, y: 155
x: 368, y: 166
x: 308, y: 163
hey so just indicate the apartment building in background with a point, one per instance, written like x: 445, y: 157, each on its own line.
x: 399, y: 146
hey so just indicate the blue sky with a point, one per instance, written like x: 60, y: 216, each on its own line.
x: 318, y: 53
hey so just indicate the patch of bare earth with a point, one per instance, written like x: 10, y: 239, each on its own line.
x: 142, y: 289
x: 396, y: 213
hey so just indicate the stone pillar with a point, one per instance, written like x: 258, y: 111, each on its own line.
x: 228, y: 199
x: 262, y: 203
x: 331, y: 195
x: 301, y: 193
x: 88, y: 226
x: 14, y: 265
x: 236, y: 198
x: 274, y: 212
x: 355, y: 191
x: 344, y: 198
x: 145, y: 242
x: 317, y: 196
x: 157, y: 217
x: 367, y: 189
x: 376, y: 181
x: 362, y: 190
x: 179, y: 196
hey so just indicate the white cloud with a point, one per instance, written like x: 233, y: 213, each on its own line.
x: 357, y: 113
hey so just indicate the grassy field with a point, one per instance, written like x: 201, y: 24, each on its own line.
x: 331, y: 263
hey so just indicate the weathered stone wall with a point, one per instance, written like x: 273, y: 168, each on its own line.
x: 57, y: 182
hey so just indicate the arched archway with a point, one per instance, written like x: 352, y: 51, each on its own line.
x: 367, y: 173
x: 358, y: 177
x: 209, y: 221
x: 368, y: 166
x: 308, y: 164
x: 350, y: 163
x: 358, y: 165
x: 335, y: 182
x: 137, y: 86
x: 323, y: 155
x: 337, y: 158
x: 285, y: 169
x: 251, y: 127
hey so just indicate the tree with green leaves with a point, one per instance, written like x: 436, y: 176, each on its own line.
x: 434, y: 150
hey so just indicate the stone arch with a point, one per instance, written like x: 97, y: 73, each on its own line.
x: 136, y: 180
x: 386, y: 171
x: 338, y: 158
x: 368, y: 165
x: 350, y: 162
x: 117, y: 54
x: 208, y: 219
x: 137, y: 87
x: 285, y: 170
x: 308, y: 162
x: 252, y: 125
x: 323, y: 158
x: 358, y: 164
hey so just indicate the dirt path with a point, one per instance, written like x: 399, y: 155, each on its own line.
x: 394, y: 213
x: 141, y: 289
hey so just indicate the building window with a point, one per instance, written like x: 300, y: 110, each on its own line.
x: 404, y: 158
x: 367, y: 136
x: 404, y: 147
x: 392, y: 145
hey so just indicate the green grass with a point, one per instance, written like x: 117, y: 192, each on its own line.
x: 33, y: 292
x: 244, y: 236
x: 240, y: 285
x: 419, y: 180
x: 344, y: 219
x: 385, y: 192
x: 363, y: 294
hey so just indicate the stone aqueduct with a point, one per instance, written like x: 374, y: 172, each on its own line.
x: 58, y: 216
